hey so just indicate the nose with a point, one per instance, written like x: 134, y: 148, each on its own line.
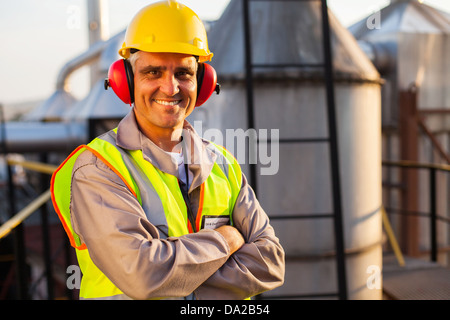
x: 169, y: 85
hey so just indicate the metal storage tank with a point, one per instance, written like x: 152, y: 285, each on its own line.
x: 409, y: 47
x: 410, y: 50
x: 294, y: 178
x: 52, y: 109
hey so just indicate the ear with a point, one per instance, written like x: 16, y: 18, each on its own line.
x: 121, y: 80
x: 206, y: 83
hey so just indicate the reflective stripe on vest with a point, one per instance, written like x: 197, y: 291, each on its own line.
x: 157, y: 192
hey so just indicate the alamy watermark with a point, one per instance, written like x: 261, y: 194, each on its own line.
x: 374, y: 278
x: 74, y: 277
x: 374, y: 20
x: 249, y: 146
x: 73, y: 17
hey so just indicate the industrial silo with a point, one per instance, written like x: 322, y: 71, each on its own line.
x: 410, y: 48
x: 293, y: 174
x: 53, y: 108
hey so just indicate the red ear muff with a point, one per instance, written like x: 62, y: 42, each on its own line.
x: 121, y: 80
x: 206, y: 83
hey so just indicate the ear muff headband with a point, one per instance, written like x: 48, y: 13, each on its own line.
x: 130, y: 79
x: 200, y: 74
x: 121, y: 80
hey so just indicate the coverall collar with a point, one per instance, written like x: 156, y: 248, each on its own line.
x: 196, y: 153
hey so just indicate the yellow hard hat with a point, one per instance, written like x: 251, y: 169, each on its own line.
x: 167, y: 26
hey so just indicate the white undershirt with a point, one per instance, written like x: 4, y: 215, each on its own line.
x: 178, y: 158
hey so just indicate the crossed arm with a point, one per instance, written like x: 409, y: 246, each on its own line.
x: 226, y: 263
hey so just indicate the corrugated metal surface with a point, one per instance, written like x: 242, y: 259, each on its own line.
x: 287, y: 33
x: 409, y: 47
x: 408, y: 16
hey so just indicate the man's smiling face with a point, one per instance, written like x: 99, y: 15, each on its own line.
x: 165, y: 90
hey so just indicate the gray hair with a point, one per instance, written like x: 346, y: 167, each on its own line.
x: 133, y: 58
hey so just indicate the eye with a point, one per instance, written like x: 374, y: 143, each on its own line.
x: 184, y: 74
x: 152, y: 73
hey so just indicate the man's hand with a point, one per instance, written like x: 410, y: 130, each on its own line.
x: 232, y: 236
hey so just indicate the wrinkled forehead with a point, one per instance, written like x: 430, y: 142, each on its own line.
x: 164, y: 60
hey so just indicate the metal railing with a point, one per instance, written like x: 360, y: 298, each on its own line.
x: 433, y: 215
x: 15, y: 223
x: 23, y: 214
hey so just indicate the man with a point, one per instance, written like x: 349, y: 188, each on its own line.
x: 153, y: 210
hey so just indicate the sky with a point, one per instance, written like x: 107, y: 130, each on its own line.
x: 39, y: 36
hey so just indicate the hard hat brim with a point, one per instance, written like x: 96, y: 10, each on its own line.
x: 204, y: 55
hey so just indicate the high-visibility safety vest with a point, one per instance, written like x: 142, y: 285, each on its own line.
x: 146, y: 182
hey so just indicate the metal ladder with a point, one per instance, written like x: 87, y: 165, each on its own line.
x: 327, y: 68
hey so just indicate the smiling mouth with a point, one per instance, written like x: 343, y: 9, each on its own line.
x: 167, y: 103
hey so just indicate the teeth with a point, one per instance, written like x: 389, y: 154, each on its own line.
x: 168, y: 103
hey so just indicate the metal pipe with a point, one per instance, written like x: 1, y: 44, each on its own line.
x: 97, y: 29
x: 97, y: 20
x: 392, y: 239
x: 87, y: 57
x: 18, y: 218
x: 32, y: 165
x: 335, y: 176
x: 97, y: 43
x: 433, y: 215
x: 46, y: 247
x: 249, y: 85
x: 19, y: 242
x: 433, y: 139
x: 24, y: 137
x: 415, y: 164
x: 409, y: 138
